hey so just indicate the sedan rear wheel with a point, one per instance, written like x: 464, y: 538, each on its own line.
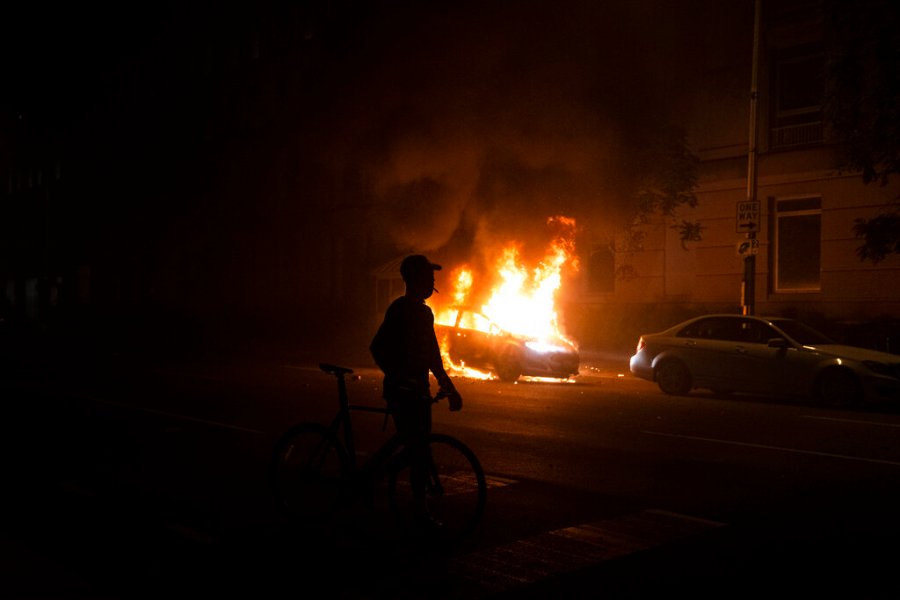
x: 838, y: 387
x: 673, y: 377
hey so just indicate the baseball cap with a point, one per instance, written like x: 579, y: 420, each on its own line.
x: 415, y: 264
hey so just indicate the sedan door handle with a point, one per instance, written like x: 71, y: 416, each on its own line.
x: 740, y: 350
x: 690, y: 343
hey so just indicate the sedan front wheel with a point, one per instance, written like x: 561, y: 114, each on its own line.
x: 838, y: 387
x: 673, y: 377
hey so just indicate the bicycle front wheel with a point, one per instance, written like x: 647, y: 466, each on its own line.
x: 309, y: 471
x: 456, y: 490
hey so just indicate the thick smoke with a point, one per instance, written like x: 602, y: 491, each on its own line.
x: 477, y: 121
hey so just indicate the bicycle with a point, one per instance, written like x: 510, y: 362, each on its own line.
x: 316, y: 474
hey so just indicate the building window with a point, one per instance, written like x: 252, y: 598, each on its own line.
x: 602, y: 271
x: 798, y: 251
x: 798, y: 91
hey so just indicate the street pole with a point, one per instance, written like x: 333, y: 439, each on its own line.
x: 748, y: 286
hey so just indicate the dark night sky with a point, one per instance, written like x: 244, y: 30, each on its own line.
x: 545, y: 90
x: 469, y: 120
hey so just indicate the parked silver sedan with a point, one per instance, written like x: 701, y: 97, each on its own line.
x: 771, y: 356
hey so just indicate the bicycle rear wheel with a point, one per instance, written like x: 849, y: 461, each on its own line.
x: 456, y: 490
x: 309, y: 470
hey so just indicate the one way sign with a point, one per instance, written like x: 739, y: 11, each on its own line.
x: 748, y: 216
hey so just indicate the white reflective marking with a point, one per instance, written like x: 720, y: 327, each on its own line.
x: 856, y: 421
x: 487, y: 572
x: 775, y: 448
x: 179, y: 417
x: 494, y: 481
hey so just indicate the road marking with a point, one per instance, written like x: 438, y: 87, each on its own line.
x: 464, y: 484
x: 487, y: 572
x: 775, y: 448
x: 179, y: 417
x: 493, y: 481
x: 856, y: 421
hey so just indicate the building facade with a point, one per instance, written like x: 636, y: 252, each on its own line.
x: 787, y: 221
x: 195, y: 183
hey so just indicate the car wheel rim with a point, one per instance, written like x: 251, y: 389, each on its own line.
x: 673, y: 379
x: 838, y: 389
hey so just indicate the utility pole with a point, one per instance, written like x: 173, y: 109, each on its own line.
x: 748, y: 212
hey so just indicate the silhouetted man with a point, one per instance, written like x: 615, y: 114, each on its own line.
x: 406, y: 349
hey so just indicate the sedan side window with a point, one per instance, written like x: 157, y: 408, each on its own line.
x: 755, y: 332
x: 733, y: 330
x: 698, y: 329
x: 712, y: 329
x: 750, y: 332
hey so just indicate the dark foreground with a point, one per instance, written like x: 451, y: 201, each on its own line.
x: 100, y: 504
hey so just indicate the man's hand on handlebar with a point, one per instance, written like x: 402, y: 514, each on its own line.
x: 453, y: 398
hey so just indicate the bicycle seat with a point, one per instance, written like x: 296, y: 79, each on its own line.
x: 335, y: 370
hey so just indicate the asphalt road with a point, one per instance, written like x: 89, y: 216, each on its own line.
x: 107, y: 502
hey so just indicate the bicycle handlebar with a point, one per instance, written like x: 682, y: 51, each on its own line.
x: 440, y: 396
x: 339, y: 372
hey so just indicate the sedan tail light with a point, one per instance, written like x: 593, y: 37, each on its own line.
x: 640, y: 345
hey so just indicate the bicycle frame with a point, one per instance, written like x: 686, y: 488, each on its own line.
x: 343, y: 420
x: 456, y: 486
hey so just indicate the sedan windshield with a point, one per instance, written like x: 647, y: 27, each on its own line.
x: 802, y: 334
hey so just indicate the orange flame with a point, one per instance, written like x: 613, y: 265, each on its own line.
x: 462, y: 285
x: 524, y: 302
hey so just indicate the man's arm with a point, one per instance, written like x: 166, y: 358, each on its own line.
x: 446, y: 387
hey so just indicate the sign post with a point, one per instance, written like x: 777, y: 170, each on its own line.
x: 748, y: 211
x: 748, y: 247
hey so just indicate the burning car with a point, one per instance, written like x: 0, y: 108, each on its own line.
x: 471, y: 340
